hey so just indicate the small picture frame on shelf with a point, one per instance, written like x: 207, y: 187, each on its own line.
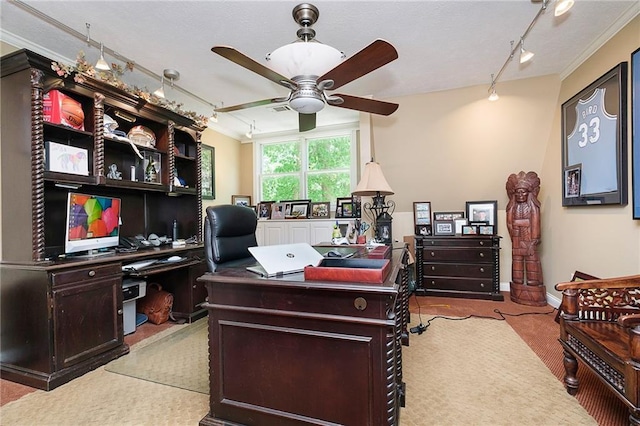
x: 422, y: 213
x: 241, y: 200
x: 277, y: 210
x: 444, y: 227
x: 320, y: 210
x: 485, y: 230
x: 469, y: 230
x: 344, y: 207
x: 423, y: 230
x: 152, y: 167
x: 264, y: 210
x: 299, y: 210
x: 448, y: 215
x: 483, y: 211
x: 66, y: 159
x: 460, y: 222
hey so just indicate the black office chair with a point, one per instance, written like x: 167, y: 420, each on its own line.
x: 229, y: 231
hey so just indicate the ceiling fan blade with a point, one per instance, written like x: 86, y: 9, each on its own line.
x: 306, y: 122
x: 366, y: 105
x: 244, y: 61
x: 250, y: 105
x: 370, y: 58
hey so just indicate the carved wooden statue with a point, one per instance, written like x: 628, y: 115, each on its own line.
x: 523, y: 223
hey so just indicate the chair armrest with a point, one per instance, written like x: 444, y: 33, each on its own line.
x: 629, y: 320
x: 618, y: 282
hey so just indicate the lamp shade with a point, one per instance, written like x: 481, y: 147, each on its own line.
x: 373, y: 181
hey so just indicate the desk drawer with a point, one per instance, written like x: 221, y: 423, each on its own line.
x: 458, y: 284
x: 471, y: 242
x: 82, y: 274
x: 458, y: 254
x: 471, y: 270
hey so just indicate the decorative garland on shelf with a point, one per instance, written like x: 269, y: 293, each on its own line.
x: 83, y: 69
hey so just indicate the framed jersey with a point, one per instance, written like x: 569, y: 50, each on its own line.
x: 594, y: 142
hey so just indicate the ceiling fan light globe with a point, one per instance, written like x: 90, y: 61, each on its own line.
x: 304, y: 59
x: 306, y: 105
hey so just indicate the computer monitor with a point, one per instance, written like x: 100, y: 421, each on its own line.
x: 93, y: 223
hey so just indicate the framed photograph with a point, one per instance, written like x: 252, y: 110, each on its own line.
x: 264, y: 209
x: 357, y: 205
x: 207, y: 167
x: 447, y: 215
x: 594, y: 134
x: 635, y: 131
x: 485, y: 230
x: 344, y: 207
x: 469, y: 230
x: 299, y: 210
x: 444, y: 227
x: 67, y: 159
x: 572, y: 181
x: 320, y: 210
x: 460, y: 223
x: 277, y: 210
x: 422, y: 213
x: 241, y: 200
x: 423, y: 229
x: 483, y: 211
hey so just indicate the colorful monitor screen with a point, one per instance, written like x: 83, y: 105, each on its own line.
x: 93, y: 222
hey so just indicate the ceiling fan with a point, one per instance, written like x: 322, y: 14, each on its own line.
x: 313, y: 68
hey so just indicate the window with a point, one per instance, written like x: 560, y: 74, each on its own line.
x: 319, y: 168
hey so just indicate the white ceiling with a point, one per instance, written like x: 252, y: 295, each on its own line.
x: 441, y: 44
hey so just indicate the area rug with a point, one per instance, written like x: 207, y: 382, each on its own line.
x: 180, y: 359
x: 472, y: 371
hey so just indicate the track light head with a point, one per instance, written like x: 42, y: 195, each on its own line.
x: 160, y: 92
x: 493, y: 96
x: 525, y: 55
x: 102, y: 64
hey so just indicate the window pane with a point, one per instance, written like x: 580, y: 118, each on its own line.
x: 281, y: 158
x: 330, y: 153
x: 278, y: 188
x: 328, y: 186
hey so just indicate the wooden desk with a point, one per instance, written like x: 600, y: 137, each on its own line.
x: 286, y: 351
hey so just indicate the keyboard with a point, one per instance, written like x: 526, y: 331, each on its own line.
x: 136, y: 266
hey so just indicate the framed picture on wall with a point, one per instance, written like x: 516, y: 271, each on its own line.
x: 572, y: 176
x: 207, y: 166
x: 241, y: 200
x: 635, y: 128
x: 594, y: 134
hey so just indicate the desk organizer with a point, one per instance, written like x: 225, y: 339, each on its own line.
x: 349, y: 270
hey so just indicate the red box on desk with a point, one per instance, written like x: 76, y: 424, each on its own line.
x: 59, y: 108
x: 380, y: 252
x: 349, y: 270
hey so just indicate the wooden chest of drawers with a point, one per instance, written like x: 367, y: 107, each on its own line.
x: 458, y: 266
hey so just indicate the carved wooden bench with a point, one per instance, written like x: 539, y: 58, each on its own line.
x: 600, y: 326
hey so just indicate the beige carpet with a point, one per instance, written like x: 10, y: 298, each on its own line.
x: 473, y: 372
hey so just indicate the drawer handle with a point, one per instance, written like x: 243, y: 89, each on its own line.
x: 119, y: 311
x: 92, y: 273
x: 360, y: 303
x: 433, y: 283
x: 481, y: 254
x: 481, y: 269
x: 433, y: 254
x: 433, y: 268
x: 482, y: 285
x: 481, y: 243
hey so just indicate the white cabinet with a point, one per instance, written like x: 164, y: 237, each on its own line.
x: 287, y: 231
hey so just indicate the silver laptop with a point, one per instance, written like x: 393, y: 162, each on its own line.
x: 281, y: 259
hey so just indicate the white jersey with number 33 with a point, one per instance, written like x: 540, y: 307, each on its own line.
x: 593, y: 144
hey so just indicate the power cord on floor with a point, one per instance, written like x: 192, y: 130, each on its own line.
x: 421, y: 327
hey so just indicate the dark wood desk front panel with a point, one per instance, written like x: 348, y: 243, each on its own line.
x: 288, y: 352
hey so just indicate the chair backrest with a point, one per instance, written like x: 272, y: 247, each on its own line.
x: 229, y: 231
